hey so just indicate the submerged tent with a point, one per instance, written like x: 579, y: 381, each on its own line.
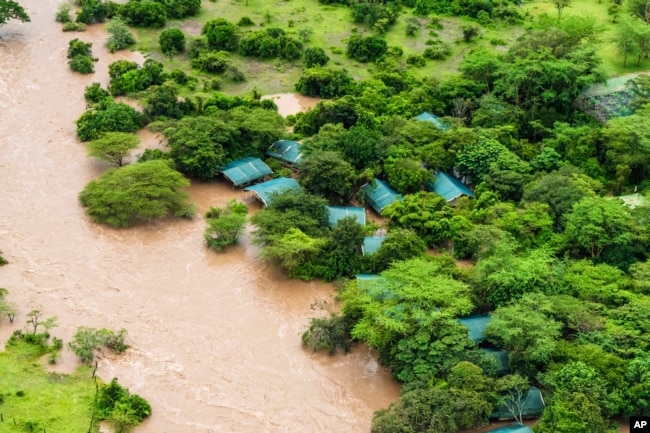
x: 532, y: 406
x: 371, y: 244
x: 448, y: 187
x: 245, y: 170
x: 519, y: 428
x: 286, y: 150
x: 264, y: 191
x: 432, y: 118
x: 337, y: 213
x: 501, y: 357
x: 379, y: 194
x: 476, y: 326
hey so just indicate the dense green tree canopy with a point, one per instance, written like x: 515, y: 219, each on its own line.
x: 10, y: 9
x: 138, y: 192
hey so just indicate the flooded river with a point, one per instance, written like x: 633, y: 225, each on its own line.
x: 215, y: 338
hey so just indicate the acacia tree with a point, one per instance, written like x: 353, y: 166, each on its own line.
x: 113, y: 146
x: 9, y: 9
x: 139, y: 192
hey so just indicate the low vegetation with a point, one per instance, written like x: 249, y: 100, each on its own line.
x: 225, y: 225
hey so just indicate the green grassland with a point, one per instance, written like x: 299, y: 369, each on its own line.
x: 332, y: 25
x: 52, y: 402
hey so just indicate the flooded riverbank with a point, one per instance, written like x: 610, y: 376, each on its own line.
x: 215, y: 338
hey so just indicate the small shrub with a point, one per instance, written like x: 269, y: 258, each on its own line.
x: 434, y: 23
x: 63, y: 14
x: 225, y: 225
x: 172, y: 41
x: 497, y: 41
x: 82, y: 64
x: 234, y: 74
x: 470, y: 31
x: 328, y: 334
x: 412, y: 27
x: 20, y: 393
x: 315, y: 57
x: 437, y: 52
x: 74, y: 27
x: 94, y: 93
x: 120, y: 37
x: 416, y: 60
x: 245, y: 22
x: 215, y: 62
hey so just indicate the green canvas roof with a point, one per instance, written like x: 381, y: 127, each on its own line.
x: 432, y: 118
x: 532, y: 406
x: 501, y: 356
x: 371, y: 244
x: 448, y: 187
x: 264, y: 191
x: 476, y: 326
x: 337, y: 213
x: 286, y: 150
x: 519, y: 428
x: 245, y: 170
x: 379, y: 194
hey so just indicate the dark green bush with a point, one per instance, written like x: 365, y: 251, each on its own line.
x: 327, y: 333
x: 416, y: 60
x: 315, y: 56
x: 82, y: 64
x: 245, y: 22
x: 172, y: 41
x: 215, y: 62
x: 366, y: 49
x: 145, y: 13
x: 221, y: 35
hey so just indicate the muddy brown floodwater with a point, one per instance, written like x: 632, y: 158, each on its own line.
x: 215, y: 338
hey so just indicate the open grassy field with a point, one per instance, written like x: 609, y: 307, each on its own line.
x: 48, y: 402
x: 332, y: 25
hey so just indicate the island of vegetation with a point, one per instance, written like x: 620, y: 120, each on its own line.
x: 468, y: 128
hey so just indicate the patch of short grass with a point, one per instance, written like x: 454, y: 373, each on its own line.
x: 46, y: 401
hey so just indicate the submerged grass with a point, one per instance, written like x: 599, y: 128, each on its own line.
x: 34, y: 399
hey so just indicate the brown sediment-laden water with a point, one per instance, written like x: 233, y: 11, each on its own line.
x: 215, y: 337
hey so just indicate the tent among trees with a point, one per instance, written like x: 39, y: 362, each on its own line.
x: 432, y: 118
x: 245, y: 170
x: 379, y: 195
x: 264, y: 191
x: 286, y: 150
x: 448, y: 187
x: 371, y: 244
x: 519, y: 428
x: 530, y: 404
x: 337, y: 213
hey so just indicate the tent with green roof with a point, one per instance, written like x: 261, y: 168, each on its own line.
x: 476, y: 326
x: 337, y: 213
x: 448, y: 187
x: 379, y: 195
x: 518, y: 428
x: 371, y: 244
x: 286, y: 150
x: 245, y: 170
x: 264, y: 191
x: 432, y: 118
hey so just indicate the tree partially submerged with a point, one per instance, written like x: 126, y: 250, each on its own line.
x: 140, y: 192
x: 10, y: 9
x: 113, y: 146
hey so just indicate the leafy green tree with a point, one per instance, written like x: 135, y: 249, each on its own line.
x: 366, y: 49
x: 526, y: 331
x: 324, y: 82
x: 640, y: 273
x: 427, y: 214
x: 139, y: 192
x: 172, y: 41
x: 86, y: 341
x: 128, y: 77
x: 406, y: 175
x: 120, y: 37
x: 145, y: 13
x: 223, y: 230
x: 531, y: 225
x: 326, y: 174
x: 513, y: 390
x: 407, y: 297
x: 342, y: 253
x: 181, y: 8
x: 560, y: 5
x: 327, y: 333
x: 600, y: 283
x: 81, y: 56
x: 198, y: 145
x: 108, y: 116
x: 637, y: 377
x: 474, y: 159
x: 113, y: 146
x: 507, y: 176
x: 596, y: 223
x: 10, y: 9
x: 216, y: 62
x: 256, y: 127
x: 481, y: 65
x: 292, y: 249
x: 315, y: 56
x: 221, y: 35
x: 163, y: 101
x: 627, y: 144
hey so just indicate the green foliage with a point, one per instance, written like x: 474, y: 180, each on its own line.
x: 327, y: 334
x: 118, y: 406
x: 128, y: 77
x: 225, y: 225
x: 95, y: 11
x: 172, y: 41
x: 120, y: 37
x: 144, y: 13
x: 138, y: 192
x: 474, y: 159
x: 326, y: 174
x: 292, y: 249
x: 86, y: 341
x: 271, y: 43
x: 366, y: 49
x: 63, y: 13
x: 220, y: 35
x: 324, y: 82
x: 74, y: 27
x: 177, y: 9
x: 3, y: 261
x: 526, y: 331
x: 400, y: 244
x: 10, y: 9
x: 108, y: 116
x: 315, y: 56
x: 428, y: 215
x: 406, y: 175
x: 81, y: 56
x: 94, y: 94
x: 113, y: 146
x: 215, y: 62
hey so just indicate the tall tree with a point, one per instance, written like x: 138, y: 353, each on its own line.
x: 327, y: 174
x: 9, y: 9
